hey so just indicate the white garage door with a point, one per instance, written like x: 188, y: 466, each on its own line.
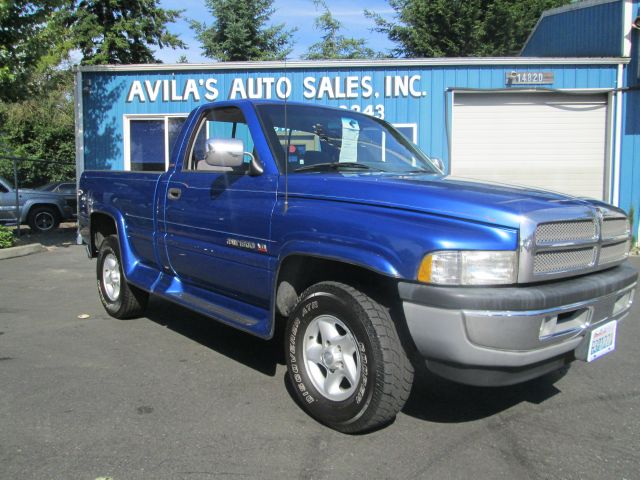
x: 548, y: 140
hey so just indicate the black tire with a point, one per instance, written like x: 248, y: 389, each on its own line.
x: 43, y: 219
x: 385, y: 377
x: 126, y: 301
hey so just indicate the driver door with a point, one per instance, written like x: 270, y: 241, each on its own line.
x: 217, y: 218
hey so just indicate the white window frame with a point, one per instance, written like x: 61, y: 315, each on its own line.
x: 413, y: 127
x: 126, y: 131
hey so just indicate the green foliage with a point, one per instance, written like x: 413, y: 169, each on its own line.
x: 6, y: 237
x: 36, y: 36
x: 238, y: 32
x: 460, y: 28
x: 26, y: 44
x: 41, y: 127
x: 333, y: 45
x: 36, y: 83
x: 120, y: 31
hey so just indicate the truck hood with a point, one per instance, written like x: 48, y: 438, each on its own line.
x: 462, y: 198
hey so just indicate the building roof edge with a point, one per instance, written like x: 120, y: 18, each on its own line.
x: 405, y: 62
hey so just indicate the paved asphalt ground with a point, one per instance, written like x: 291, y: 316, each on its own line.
x: 176, y: 396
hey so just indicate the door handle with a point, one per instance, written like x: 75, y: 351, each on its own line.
x: 174, y: 193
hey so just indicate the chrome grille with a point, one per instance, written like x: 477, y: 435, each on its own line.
x: 615, y: 227
x: 582, y: 230
x: 614, y: 253
x: 563, y: 260
x: 573, y: 240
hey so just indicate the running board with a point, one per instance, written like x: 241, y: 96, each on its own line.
x: 240, y: 315
x: 217, y: 310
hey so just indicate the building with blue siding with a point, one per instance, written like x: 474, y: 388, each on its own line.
x: 560, y: 116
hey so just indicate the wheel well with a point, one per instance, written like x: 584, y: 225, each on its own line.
x: 299, y: 272
x: 102, y: 225
x: 50, y: 206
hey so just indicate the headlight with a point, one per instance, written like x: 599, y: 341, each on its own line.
x: 469, y: 268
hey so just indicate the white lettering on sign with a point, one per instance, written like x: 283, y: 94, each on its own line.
x: 403, y: 86
x: 283, y: 88
x: 136, y: 91
x: 330, y: 87
x: 191, y: 89
x: 237, y: 89
x: 367, y: 89
x: 152, y: 91
x: 210, y: 87
x: 350, y: 87
x: 149, y: 91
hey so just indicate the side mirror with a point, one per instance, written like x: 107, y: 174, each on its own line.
x: 439, y: 164
x: 226, y: 152
x: 255, y: 167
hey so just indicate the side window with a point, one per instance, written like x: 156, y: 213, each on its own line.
x: 147, y: 145
x: 3, y: 189
x: 227, y: 123
x: 150, y: 141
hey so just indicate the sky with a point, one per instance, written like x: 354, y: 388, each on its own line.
x: 293, y: 13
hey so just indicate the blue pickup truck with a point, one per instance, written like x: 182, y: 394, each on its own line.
x: 330, y: 224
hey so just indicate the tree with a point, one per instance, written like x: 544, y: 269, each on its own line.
x: 24, y: 43
x: 120, y: 31
x: 36, y: 83
x: 334, y: 45
x: 459, y: 28
x: 239, y: 32
x: 41, y: 128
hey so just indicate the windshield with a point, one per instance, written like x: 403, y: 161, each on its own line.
x: 325, y: 139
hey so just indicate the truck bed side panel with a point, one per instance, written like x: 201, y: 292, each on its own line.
x: 129, y: 198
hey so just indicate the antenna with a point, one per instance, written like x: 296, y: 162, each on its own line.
x: 288, y: 144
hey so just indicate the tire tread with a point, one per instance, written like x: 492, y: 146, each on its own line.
x: 395, y: 375
x: 132, y: 301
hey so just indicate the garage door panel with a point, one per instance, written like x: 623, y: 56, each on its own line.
x: 550, y: 141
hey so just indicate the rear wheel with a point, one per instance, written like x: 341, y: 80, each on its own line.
x: 345, y: 359
x: 43, y: 219
x: 119, y: 299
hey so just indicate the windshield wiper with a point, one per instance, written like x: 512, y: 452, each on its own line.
x: 336, y: 166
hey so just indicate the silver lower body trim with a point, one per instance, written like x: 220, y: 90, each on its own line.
x: 505, y: 339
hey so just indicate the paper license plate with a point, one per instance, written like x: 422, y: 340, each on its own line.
x: 602, y: 341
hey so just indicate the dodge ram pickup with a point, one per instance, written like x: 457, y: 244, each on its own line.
x: 331, y: 227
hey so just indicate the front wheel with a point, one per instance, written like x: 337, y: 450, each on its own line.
x: 345, y: 359
x: 119, y: 299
